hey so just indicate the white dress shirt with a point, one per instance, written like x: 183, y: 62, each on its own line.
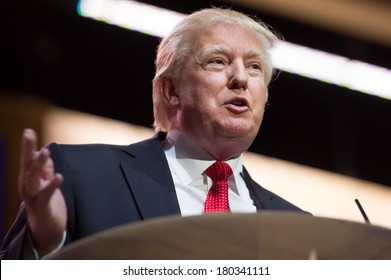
x: 187, y: 163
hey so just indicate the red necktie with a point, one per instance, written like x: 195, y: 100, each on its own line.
x: 217, y: 198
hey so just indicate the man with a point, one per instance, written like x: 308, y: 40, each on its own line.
x: 209, y: 96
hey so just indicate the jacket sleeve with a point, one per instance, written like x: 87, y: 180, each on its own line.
x: 16, y: 244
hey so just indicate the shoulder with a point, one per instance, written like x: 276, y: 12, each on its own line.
x: 83, y: 156
x: 101, y: 150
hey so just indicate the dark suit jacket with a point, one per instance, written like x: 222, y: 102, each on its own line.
x: 108, y: 185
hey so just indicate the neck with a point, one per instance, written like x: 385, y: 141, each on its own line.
x: 205, y: 149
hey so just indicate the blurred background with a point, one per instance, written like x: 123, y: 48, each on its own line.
x: 59, y: 70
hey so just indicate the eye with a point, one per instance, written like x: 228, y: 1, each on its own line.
x: 216, y: 64
x: 256, y: 66
x: 218, y: 61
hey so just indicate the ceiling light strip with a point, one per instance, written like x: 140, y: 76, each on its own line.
x: 292, y: 58
x: 333, y: 69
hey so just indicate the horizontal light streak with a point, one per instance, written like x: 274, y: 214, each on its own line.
x: 288, y: 57
x: 132, y: 15
x: 333, y: 69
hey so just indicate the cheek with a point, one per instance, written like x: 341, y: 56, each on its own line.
x: 259, y: 104
x: 201, y: 92
x: 259, y: 91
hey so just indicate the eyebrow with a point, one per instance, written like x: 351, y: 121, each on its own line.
x: 214, y: 49
x: 223, y: 49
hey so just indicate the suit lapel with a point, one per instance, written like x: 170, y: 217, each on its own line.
x: 265, y: 199
x: 149, y: 179
x: 253, y: 188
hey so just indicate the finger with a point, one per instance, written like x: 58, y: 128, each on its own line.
x: 41, y: 163
x: 52, y: 185
x: 32, y: 179
x: 48, y: 170
x: 40, y: 202
x: 55, y: 182
x: 29, y: 147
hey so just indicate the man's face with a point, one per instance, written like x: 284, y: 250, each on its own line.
x: 221, y: 89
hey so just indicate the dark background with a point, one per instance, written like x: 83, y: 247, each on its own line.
x: 48, y: 51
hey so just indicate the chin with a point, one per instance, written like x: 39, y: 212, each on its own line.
x: 240, y: 131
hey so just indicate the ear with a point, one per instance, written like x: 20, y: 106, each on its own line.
x: 169, y: 93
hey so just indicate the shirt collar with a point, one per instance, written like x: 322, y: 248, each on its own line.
x: 189, y: 161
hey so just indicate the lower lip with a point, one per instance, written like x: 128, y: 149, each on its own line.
x: 236, y: 109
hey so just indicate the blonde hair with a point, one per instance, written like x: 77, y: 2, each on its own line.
x: 177, y: 45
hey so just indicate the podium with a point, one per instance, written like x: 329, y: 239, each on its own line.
x: 271, y: 235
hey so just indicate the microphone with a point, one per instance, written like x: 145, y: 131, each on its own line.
x: 362, y: 211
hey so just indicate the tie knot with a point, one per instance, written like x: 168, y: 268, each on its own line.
x: 219, y: 171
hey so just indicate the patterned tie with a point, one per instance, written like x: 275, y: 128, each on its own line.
x: 217, y: 199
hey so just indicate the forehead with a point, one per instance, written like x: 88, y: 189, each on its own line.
x: 227, y: 37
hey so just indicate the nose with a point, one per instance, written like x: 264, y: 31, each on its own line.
x: 238, y: 76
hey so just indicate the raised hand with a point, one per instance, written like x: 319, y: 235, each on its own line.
x: 38, y: 187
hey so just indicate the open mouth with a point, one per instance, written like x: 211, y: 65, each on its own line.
x: 237, y: 105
